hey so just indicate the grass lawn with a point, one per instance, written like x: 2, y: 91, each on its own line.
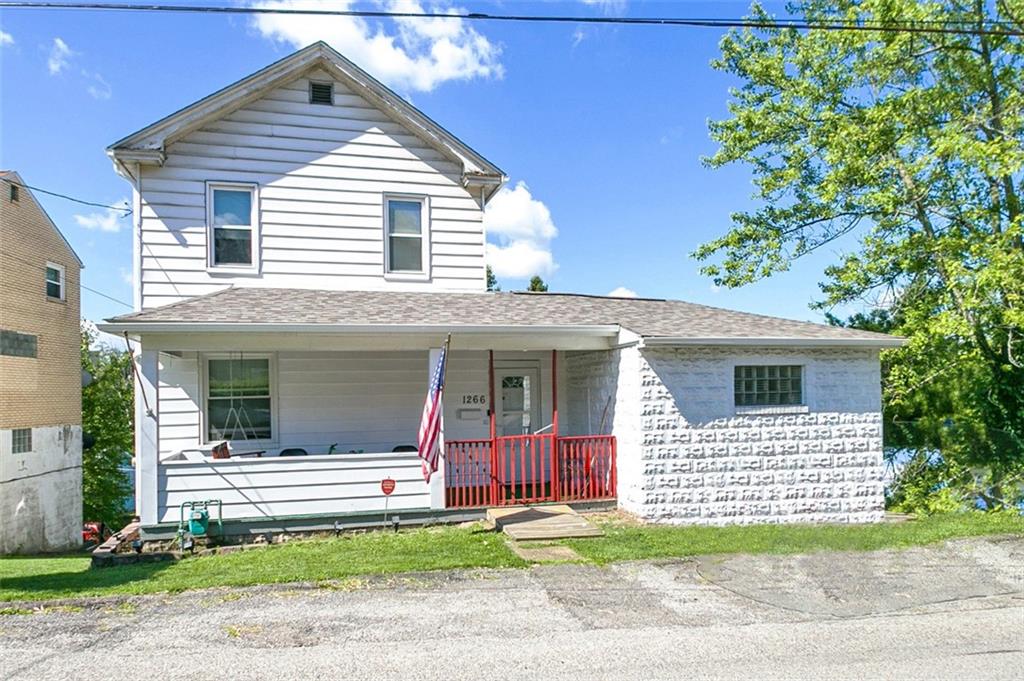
x: 439, y: 548
x: 32, y: 578
x: 633, y: 542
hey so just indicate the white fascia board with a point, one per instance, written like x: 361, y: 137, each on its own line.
x: 454, y: 329
x: 774, y: 342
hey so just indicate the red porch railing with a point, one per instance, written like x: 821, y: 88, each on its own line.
x: 523, y: 469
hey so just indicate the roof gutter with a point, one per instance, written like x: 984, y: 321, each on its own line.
x: 136, y: 327
x: 785, y: 342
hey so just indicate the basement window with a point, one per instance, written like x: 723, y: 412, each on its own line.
x: 21, y: 440
x: 768, y: 385
x: 321, y: 93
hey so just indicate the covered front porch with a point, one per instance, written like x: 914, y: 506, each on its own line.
x: 314, y: 422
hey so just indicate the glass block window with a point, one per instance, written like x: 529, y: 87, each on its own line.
x: 238, y: 399
x: 768, y: 385
x: 21, y: 440
x: 16, y: 344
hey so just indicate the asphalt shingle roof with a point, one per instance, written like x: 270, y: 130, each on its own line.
x: 645, y: 316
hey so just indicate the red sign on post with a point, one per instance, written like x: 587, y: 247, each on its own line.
x: 387, y: 485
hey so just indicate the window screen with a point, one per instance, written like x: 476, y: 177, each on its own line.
x: 768, y: 385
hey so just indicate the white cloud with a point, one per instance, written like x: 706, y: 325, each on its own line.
x: 523, y: 229
x: 608, y: 7
x: 578, y: 36
x: 109, y: 220
x: 420, y: 55
x: 102, y: 339
x: 60, y: 56
x: 622, y: 292
x: 6, y: 38
x: 98, y: 87
x: 126, y: 275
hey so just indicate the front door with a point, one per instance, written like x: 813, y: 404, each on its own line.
x: 518, y: 401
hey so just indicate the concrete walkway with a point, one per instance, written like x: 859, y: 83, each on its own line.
x: 546, y: 522
x: 944, y: 612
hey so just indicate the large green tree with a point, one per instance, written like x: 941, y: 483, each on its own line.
x: 108, y: 426
x: 903, y: 151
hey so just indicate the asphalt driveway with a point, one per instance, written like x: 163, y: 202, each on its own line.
x: 949, y: 611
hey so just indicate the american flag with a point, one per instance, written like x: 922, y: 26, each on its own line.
x: 430, y: 423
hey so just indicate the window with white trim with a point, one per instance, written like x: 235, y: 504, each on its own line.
x: 407, y: 235
x: 21, y: 440
x: 232, y: 225
x: 768, y: 385
x: 239, y: 403
x: 54, y: 281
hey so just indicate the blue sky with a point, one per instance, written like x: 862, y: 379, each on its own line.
x: 604, y: 125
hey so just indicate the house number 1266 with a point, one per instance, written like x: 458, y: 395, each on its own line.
x: 474, y: 399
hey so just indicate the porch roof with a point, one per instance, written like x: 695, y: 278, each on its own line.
x: 657, y: 321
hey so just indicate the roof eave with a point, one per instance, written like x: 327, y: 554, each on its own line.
x: 142, y: 327
x: 781, y: 341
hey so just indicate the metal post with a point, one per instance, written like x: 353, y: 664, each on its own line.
x: 494, y: 429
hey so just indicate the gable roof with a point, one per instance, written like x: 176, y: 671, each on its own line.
x: 658, y: 321
x: 148, y: 145
x: 13, y: 177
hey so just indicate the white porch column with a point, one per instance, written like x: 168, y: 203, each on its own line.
x: 437, y: 501
x: 147, y: 436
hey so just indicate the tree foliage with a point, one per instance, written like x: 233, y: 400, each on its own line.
x: 904, y: 150
x: 537, y: 284
x: 108, y: 427
x: 492, y: 281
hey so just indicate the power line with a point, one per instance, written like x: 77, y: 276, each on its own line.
x: 124, y: 209
x: 80, y: 284
x: 979, y: 28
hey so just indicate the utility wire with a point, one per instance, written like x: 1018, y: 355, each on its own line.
x: 124, y: 209
x: 8, y: 254
x: 980, y: 28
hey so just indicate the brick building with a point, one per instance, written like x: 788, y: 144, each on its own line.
x: 40, y: 378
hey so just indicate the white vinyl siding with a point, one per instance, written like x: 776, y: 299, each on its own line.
x: 321, y: 172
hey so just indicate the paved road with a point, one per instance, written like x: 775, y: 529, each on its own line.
x: 951, y: 611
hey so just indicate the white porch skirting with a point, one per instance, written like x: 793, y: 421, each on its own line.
x: 273, y: 487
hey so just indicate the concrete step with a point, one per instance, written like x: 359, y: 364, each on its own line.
x: 526, y: 523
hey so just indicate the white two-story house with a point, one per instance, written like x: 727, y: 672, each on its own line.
x: 305, y: 239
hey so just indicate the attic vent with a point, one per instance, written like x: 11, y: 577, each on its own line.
x: 321, y: 93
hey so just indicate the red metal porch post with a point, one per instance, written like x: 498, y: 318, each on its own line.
x: 494, y: 429
x: 556, y: 481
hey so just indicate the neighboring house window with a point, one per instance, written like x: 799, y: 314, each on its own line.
x: 407, y: 235
x: 238, y: 399
x: 321, y: 93
x: 21, y: 440
x: 232, y: 225
x: 768, y: 385
x: 14, y: 344
x: 15, y: 192
x: 54, y: 281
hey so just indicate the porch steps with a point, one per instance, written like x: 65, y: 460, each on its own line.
x: 524, y: 523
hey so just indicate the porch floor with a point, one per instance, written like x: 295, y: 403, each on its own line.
x: 541, y: 522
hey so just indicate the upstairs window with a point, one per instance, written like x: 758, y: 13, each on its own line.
x: 54, y: 281
x: 15, y: 192
x: 406, y: 236
x: 321, y: 93
x: 769, y: 385
x: 232, y: 225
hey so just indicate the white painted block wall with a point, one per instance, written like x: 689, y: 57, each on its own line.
x: 686, y: 456
x: 41, y: 492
